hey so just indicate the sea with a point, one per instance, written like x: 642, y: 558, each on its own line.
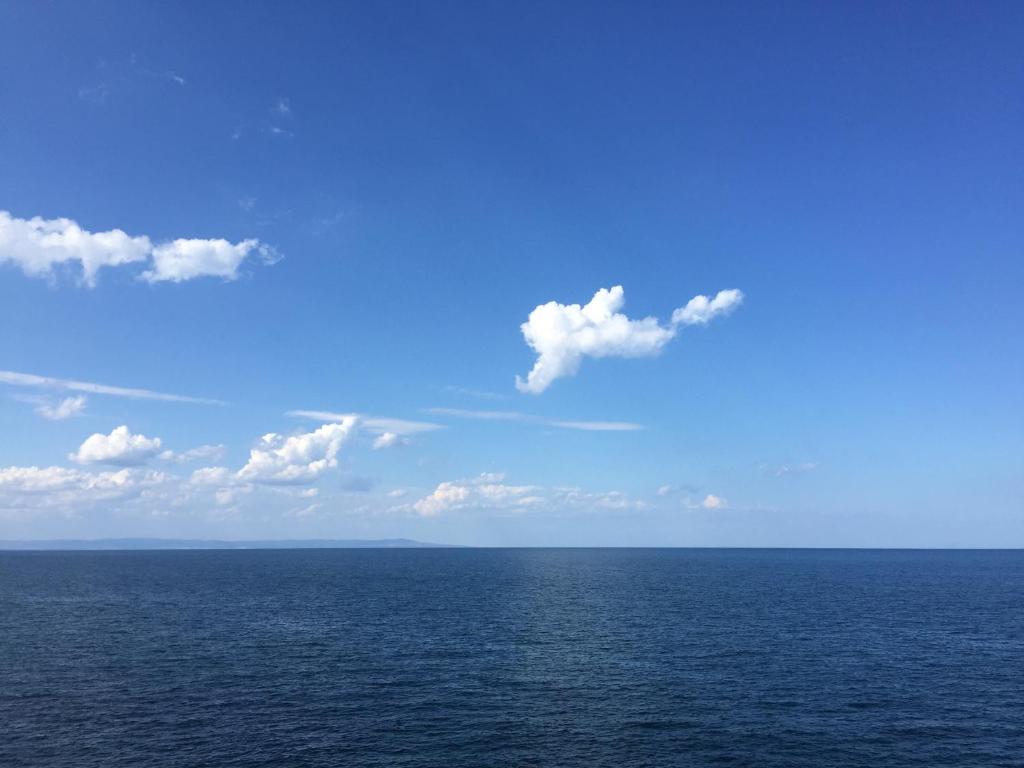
x: 512, y: 657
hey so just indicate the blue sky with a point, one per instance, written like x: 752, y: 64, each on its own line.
x: 352, y: 210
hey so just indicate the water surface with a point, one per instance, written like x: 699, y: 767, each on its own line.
x: 512, y: 658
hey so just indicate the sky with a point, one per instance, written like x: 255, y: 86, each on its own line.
x: 531, y: 274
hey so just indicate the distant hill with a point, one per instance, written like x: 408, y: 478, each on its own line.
x: 109, y: 544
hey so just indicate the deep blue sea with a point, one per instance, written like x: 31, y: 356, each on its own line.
x: 512, y: 657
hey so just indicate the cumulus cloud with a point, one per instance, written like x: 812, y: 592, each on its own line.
x: 37, y: 245
x: 211, y: 476
x: 182, y: 260
x: 47, y: 382
x: 64, y: 409
x: 120, y: 447
x: 714, y: 502
x: 701, y: 310
x: 444, y: 497
x: 40, y: 247
x: 297, y: 459
x: 563, y: 334
x: 37, y: 490
x: 490, y: 492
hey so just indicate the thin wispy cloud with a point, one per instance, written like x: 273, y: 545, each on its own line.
x: 785, y: 470
x: 589, y: 426
x: 373, y: 424
x: 466, y: 413
x: 563, y: 335
x: 71, y: 385
x: 121, y: 75
x: 199, y: 453
x: 597, y: 426
x: 173, y: 77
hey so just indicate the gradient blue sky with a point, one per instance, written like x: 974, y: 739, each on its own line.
x: 429, y: 173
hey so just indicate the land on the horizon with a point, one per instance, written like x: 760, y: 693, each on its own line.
x: 143, y: 543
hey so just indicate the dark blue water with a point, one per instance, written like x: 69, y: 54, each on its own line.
x: 512, y: 658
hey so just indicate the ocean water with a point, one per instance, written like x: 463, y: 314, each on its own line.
x: 512, y: 658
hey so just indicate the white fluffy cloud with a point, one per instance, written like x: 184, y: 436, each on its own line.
x: 29, y: 491
x: 182, y: 260
x: 563, y: 334
x: 444, y: 497
x: 299, y: 458
x: 40, y: 246
x: 37, y: 245
x: 64, y: 409
x: 714, y: 502
x: 700, y: 310
x: 490, y: 492
x: 120, y: 448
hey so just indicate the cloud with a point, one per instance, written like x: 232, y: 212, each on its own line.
x: 444, y: 497
x: 204, y: 452
x: 41, y: 246
x: 282, y: 106
x: 714, y: 502
x: 47, y: 382
x: 38, y: 490
x: 63, y: 409
x: 120, y: 448
x: 490, y: 492
x: 792, y: 469
x: 598, y: 426
x: 211, y: 476
x: 563, y: 334
x: 669, y: 490
x: 465, y: 413
x: 388, y: 440
x: 95, y: 94
x: 373, y: 424
x: 589, y: 426
x: 700, y: 310
x: 297, y: 459
x: 37, y: 245
x: 182, y: 260
x: 302, y: 513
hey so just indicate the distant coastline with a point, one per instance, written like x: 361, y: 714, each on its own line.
x: 139, y: 544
